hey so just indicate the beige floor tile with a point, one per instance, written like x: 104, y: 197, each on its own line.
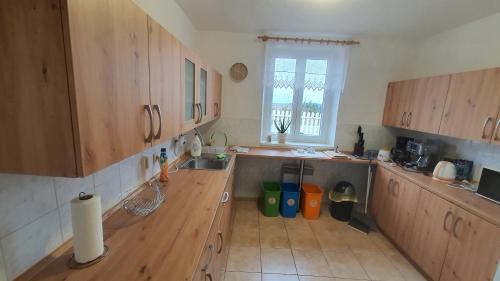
x: 311, y: 262
x: 274, y: 236
x: 245, y: 236
x: 279, y: 277
x: 359, y: 241
x: 242, y: 219
x: 382, y: 243
x: 242, y: 276
x: 330, y: 240
x: 244, y: 259
x: 377, y: 265
x: 409, y: 272
x: 344, y: 264
x: 312, y: 278
x: 302, y: 238
x: 277, y: 261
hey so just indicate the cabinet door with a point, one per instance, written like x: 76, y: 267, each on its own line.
x: 35, y: 117
x: 472, y: 105
x: 225, y: 223
x: 496, y: 135
x: 385, y: 201
x: 380, y: 191
x: 203, y: 92
x: 189, y: 88
x: 474, y: 249
x: 397, y: 103
x: 165, y: 76
x: 107, y: 41
x: 407, y: 195
x: 429, y: 239
x: 428, y: 103
x: 217, y: 94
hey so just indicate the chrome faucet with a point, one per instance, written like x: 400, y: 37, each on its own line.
x: 201, y: 137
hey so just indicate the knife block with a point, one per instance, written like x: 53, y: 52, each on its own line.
x: 359, y: 150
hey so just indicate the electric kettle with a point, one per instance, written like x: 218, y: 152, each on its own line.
x: 445, y: 171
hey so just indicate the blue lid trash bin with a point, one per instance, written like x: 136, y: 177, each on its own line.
x: 289, y: 200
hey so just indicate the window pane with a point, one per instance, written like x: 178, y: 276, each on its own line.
x: 312, y: 99
x: 283, y: 88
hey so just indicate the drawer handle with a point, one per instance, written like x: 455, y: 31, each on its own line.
x: 149, y: 138
x: 209, y: 260
x: 396, y: 194
x: 225, y: 197
x: 488, y: 120
x: 403, y: 119
x: 221, y: 237
x: 158, y: 111
x: 389, y: 185
x: 408, y: 119
x: 497, y: 138
x: 209, y: 276
x: 445, y: 221
x: 459, y: 219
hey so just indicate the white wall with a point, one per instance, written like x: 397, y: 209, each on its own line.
x: 372, y: 65
x: 35, y: 215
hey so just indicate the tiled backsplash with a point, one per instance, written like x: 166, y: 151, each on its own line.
x: 35, y: 216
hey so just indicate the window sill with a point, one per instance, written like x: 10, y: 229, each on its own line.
x: 290, y: 144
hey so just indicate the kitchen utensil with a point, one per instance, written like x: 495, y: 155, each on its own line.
x: 445, y: 171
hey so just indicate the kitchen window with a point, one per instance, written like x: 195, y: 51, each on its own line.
x: 302, y: 85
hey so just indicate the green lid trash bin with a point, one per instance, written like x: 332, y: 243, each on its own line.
x: 272, y: 193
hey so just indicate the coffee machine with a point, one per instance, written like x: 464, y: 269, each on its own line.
x: 422, y: 156
x: 399, y: 154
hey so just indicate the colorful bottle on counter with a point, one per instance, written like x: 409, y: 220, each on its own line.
x: 163, y: 165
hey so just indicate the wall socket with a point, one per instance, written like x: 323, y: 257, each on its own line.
x: 145, y: 162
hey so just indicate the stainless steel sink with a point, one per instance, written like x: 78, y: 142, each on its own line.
x: 206, y: 162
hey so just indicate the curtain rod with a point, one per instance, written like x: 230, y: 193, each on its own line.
x: 265, y: 38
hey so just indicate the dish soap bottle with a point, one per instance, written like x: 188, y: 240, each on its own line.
x: 196, y: 146
x: 163, y: 165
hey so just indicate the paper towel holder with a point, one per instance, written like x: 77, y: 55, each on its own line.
x: 73, y: 264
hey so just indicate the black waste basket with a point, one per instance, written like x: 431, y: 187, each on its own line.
x: 342, y: 199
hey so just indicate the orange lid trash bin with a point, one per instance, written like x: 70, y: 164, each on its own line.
x: 310, y: 201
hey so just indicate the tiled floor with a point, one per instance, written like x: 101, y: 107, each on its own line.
x: 280, y: 249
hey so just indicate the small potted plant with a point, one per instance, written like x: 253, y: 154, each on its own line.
x: 282, y: 126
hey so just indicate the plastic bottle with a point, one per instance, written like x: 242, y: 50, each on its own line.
x: 163, y: 165
x: 196, y: 146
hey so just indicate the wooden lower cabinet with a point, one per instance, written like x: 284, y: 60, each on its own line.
x: 214, y: 257
x: 445, y: 241
x: 473, y: 250
x: 430, y: 236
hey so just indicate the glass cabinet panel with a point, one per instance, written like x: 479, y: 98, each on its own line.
x: 189, y: 90
x: 203, y: 91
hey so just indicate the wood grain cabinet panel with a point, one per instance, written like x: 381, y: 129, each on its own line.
x: 215, y: 93
x: 472, y: 105
x: 430, y: 237
x: 37, y: 133
x: 429, y: 97
x: 386, y: 205
x: 398, y: 103
x: 165, y: 81
x: 473, y: 251
x: 407, y: 195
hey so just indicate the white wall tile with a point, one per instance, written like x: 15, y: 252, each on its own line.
x: 110, y: 193
x: 3, y: 272
x: 107, y: 174
x: 131, y: 174
x: 31, y: 243
x: 69, y: 188
x: 65, y: 217
x: 23, y: 199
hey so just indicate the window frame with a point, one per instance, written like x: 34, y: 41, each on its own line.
x: 330, y: 97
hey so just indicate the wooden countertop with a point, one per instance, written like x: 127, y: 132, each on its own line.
x: 165, y: 245
x: 289, y: 153
x: 467, y: 200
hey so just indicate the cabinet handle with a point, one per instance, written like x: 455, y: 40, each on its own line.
x: 209, y: 275
x: 396, y: 194
x: 459, y: 219
x: 488, y: 120
x: 497, y: 138
x: 221, y: 237
x: 389, y: 185
x: 216, y: 106
x: 403, y: 119
x: 158, y: 111
x: 408, y: 119
x: 198, y: 107
x: 149, y: 138
x: 225, y: 197
x: 209, y: 261
x: 445, y: 221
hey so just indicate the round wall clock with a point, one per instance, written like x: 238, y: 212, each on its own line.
x: 238, y: 71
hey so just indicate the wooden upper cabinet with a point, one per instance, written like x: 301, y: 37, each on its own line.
x: 472, y: 105
x: 107, y: 43
x: 429, y: 240
x: 397, y: 105
x: 189, y: 88
x: 37, y: 133
x: 165, y: 82
x: 474, y: 249
x: 203, y: 99
x: 429, y: 97
x: 216, y: 87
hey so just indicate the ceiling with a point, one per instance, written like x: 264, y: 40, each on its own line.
x: 375, y: 18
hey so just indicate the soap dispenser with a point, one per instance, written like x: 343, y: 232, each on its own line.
x: 196, y: 146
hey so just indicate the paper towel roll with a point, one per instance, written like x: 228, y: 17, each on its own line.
x: 88, y: 241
